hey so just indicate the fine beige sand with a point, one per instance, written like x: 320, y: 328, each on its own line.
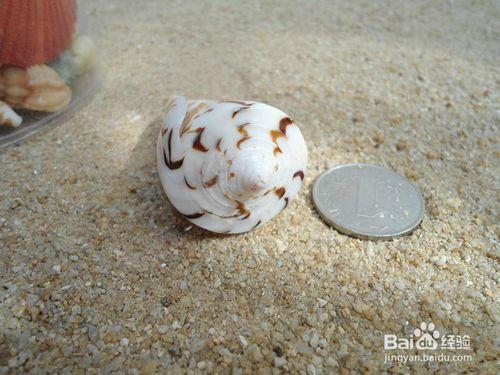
x: 99, y: 273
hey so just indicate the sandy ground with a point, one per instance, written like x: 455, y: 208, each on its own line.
x: 99, y: 273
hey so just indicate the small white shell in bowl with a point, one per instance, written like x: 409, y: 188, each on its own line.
x: 229, y: 166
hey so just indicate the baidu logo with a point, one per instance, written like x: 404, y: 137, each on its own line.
x: 426, y: 337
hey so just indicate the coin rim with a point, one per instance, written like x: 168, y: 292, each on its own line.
x: 366, y: 235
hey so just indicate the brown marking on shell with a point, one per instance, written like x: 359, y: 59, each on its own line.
x: 232, y: 174
x: 236, y: 102
x: 194, y: 131
x: 280, y: 192
x: 256, y: 225
x: 241, y: 141
x: 172, y: 165
x: 190, y: 115
x: 168, y: 161
x: 275, y: 135
x: 242, y: 131
x: 197, y: 145
x: 202, y: 113
x: 276, y: 167
x: 299, y: 174
x: 277, y: 150
x: 268, y: 191
x: 284, y: 122
x: 235, y: 113
x: 211, y: 182
x: 242, y: 210
x: 217, y: 146
x: 170, y: 105
x: 196, y: 215
x: 188, y: 184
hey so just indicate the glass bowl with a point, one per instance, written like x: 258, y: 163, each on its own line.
x: 43, y: 78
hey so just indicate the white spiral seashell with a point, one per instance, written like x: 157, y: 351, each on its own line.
x: 229, y: 166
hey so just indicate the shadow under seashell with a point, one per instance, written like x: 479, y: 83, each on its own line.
x: 35, y: 32
x: 171, y: 223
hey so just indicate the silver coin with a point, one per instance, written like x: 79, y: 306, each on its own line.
x: 368, y: 201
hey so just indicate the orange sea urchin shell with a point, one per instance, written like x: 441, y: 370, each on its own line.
x: 35, y: 31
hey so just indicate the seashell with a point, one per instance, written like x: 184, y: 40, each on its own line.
x: 35, y: 32
x: 64, y: 66
x: 84, y: 53
x: 8, y: 117
x: 229, y: 166
x: 37, y: 88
